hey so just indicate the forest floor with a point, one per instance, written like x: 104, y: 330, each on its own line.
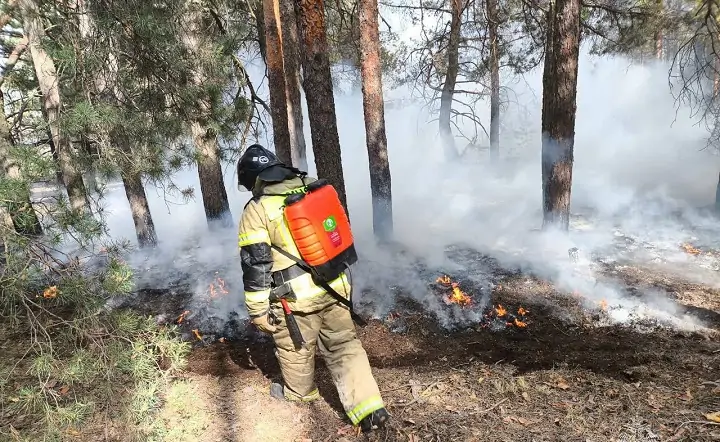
x: 569, y: 374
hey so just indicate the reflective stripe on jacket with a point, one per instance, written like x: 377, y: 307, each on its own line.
x: 262, y: 224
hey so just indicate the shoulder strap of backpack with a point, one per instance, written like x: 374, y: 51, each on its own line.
x: 307, y: 268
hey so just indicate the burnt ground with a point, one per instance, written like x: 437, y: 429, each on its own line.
x: 568, y: 375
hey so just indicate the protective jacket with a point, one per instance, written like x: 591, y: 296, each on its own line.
x: 264, y: 268
x: 325, y: 324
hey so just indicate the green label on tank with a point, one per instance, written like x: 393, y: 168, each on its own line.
x: 329, y: 224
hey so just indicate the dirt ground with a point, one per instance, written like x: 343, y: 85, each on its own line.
x: 566, y: 376
x: 563, y: 377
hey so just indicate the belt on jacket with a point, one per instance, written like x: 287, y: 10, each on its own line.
x: 282, y: 276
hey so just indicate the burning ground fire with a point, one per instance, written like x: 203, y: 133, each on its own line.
x: 217, y: 288
x: 215, y: 291
x: 496, y: 315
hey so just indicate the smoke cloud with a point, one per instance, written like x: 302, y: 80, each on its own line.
x: 641, y: 177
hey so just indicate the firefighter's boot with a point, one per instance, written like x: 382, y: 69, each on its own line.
x: 374, y: 421
x: 281, y: 392
x: 277, y: 391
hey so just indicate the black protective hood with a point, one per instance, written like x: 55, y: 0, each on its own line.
x: 258, y: 162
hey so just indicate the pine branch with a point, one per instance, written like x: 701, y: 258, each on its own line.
x: 239, y: 65
x: 14, y: 58
x: 5, y: 18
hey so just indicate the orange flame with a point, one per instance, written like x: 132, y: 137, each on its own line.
x: 458, y: 296
x: 197, y: 334
x: 50, y: 292
x: 519, y: 323
x: 603, y: 304
x: 500, y: 310
x: 522, y: 311
x: 689, y: 249
x: 181, y: 318
x: 220, y: 291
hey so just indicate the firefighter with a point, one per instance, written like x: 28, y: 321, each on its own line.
x: 324, y: 323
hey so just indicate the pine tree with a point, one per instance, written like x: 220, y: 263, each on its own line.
x: 318, y: 86
x: 558, y: 112
x: 47, y: 78
x: 374, y: 109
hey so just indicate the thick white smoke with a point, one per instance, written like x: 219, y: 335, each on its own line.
x: 637, y: 163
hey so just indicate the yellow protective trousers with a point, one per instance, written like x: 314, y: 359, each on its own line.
x: 332, y: 331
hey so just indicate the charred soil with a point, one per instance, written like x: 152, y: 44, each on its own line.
x: 565, y: 371
x: 563, y: 376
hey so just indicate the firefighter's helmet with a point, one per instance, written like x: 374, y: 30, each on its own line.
x: 258, y: 162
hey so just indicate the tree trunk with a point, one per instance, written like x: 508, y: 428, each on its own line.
x: 317, y: 83
x: 131, y: 177
x: 493, y: 22
x: 374, y: 109
x: 276, y: 80
x: 212, y: 186
x: 659, y: 44
x: 56, y: 158
x: 446, y: 97
x: 139, y: 207
x: 22, y: 215
x: 257, y: 10
x: 558, y: 114
x: 717, y: 195
x: 48, y: 81
x: 659, y: 32
x: 291, y: 58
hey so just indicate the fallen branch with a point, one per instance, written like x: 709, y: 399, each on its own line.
x: 402, y: 387
x: 698, y: 422
x: 421, y: 395
x: 492, y: 407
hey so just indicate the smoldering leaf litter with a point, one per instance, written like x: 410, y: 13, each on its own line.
x: 493, y: 213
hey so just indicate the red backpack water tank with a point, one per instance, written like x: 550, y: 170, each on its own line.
x: 321, y: 229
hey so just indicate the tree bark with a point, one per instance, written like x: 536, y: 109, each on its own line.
x: 291, y: 59
x: 131, y: 177
x: 48, y: 82
x: 276, y: 80
x: 493, y: 22
x: 212, y: 184
x: 317, y: 83
x: 559, y: 108
x: 23, y: 217
x: 257, y: 10
x: 717, y: 195
x: 659, y: 32
x: 139, y: 207
x: 374, y: 110
x: 446, y: 97
x: 716, y: 77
